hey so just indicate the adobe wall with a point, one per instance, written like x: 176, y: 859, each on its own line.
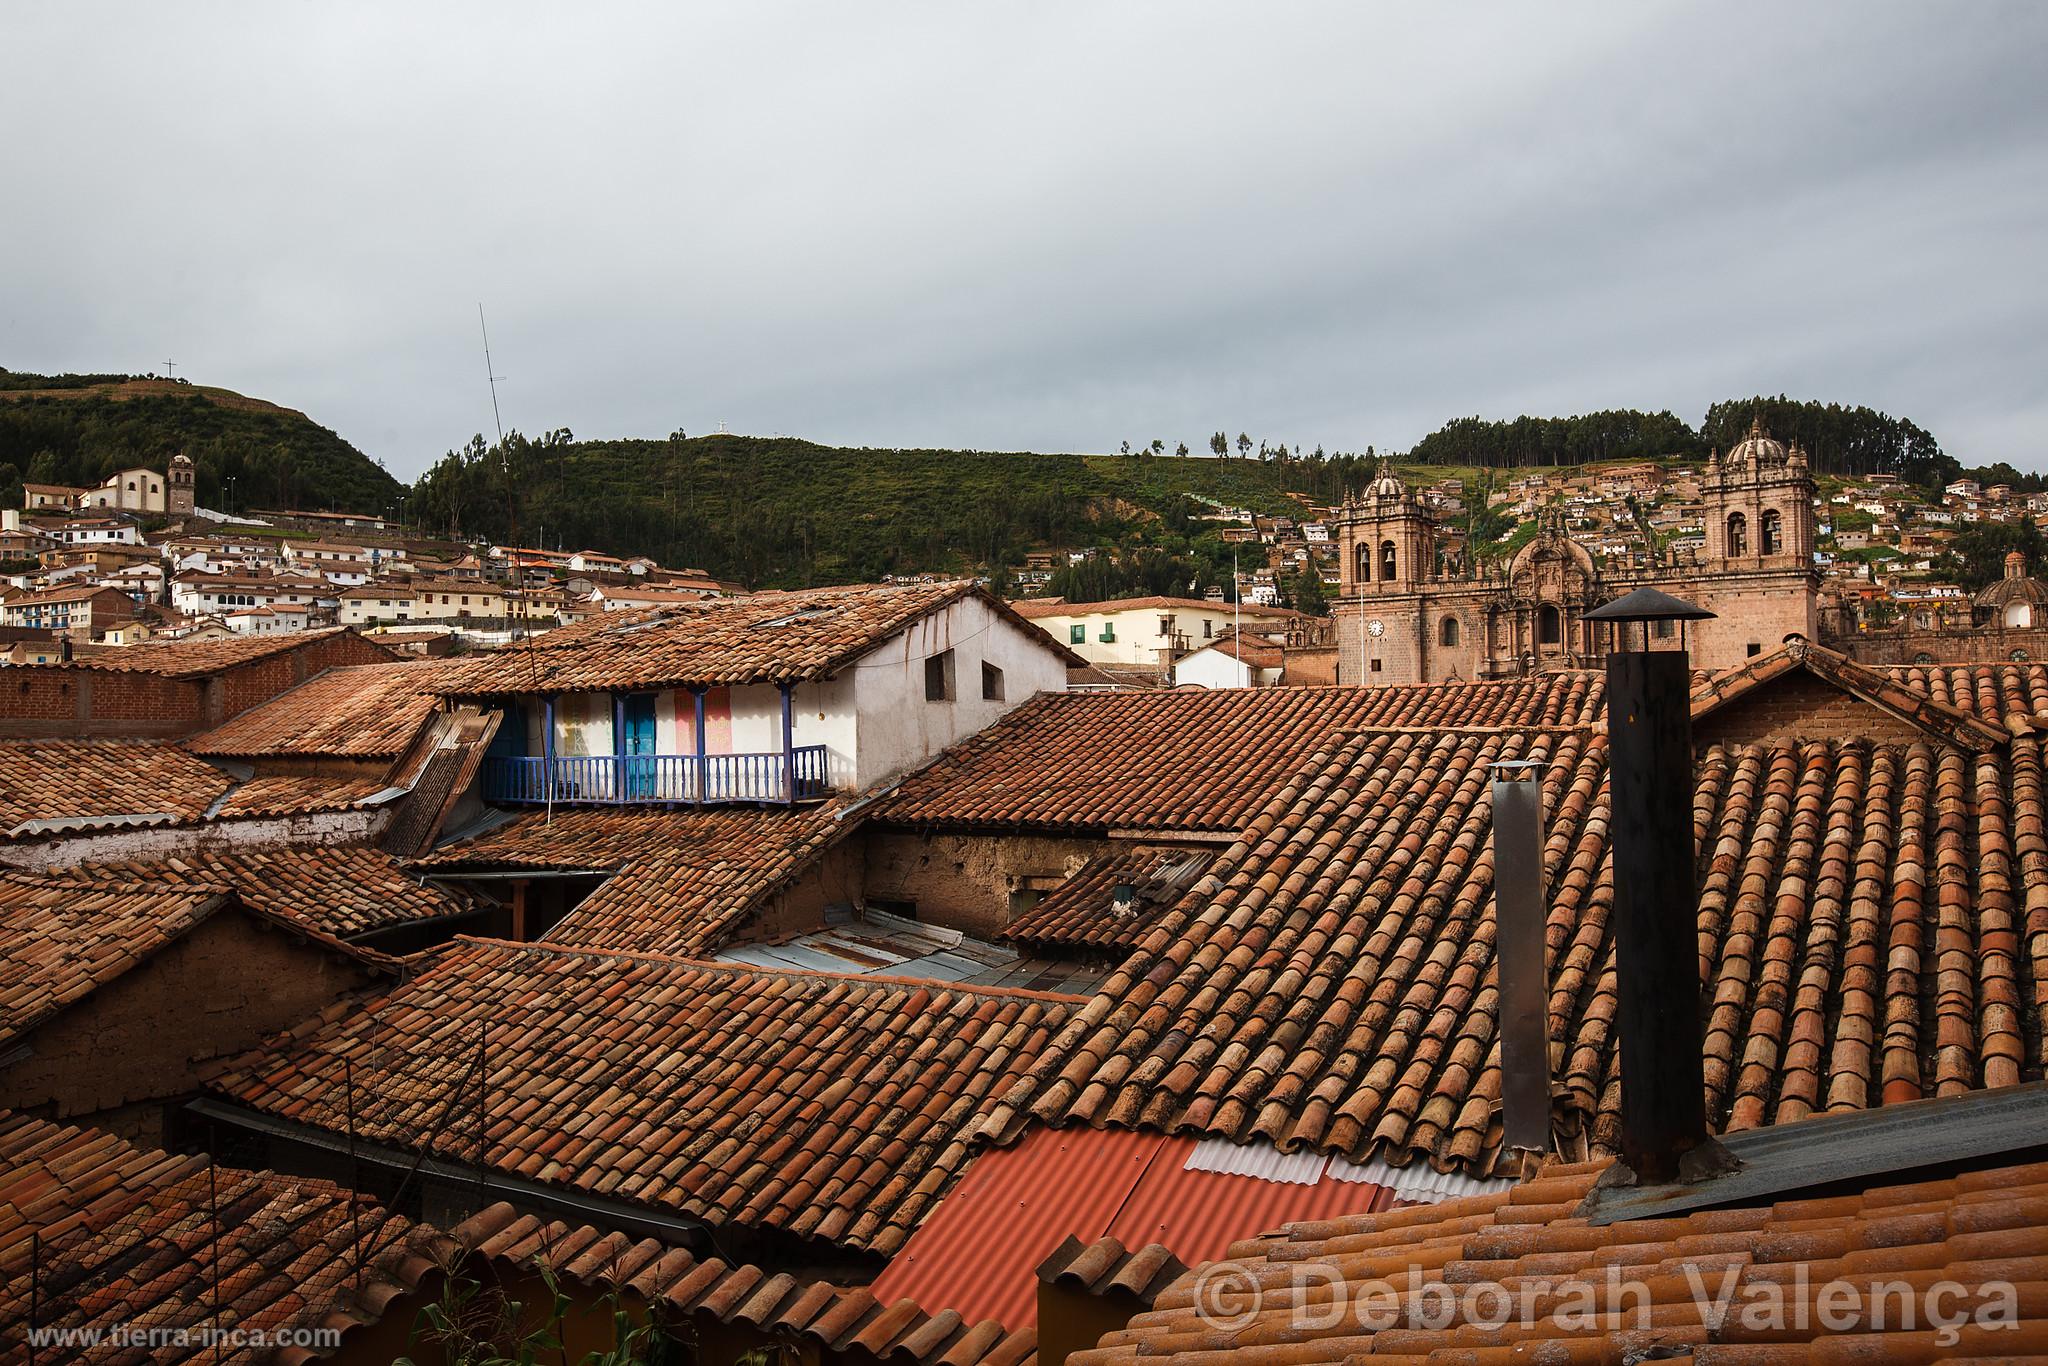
x: 1801, y: 707
x: 145, y: 1036
x: 965, y: 881
x: 835, y: 878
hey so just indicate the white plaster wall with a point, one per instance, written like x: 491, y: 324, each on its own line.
x: 827, y: 713
x: 899, y: 728
x: 1211, y: 669
x: 583, y: 723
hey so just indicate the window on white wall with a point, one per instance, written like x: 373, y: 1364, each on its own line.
x: 991, y: 682
x: 938, y: 677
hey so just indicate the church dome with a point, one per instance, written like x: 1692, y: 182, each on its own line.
x: 1387, y: 484
x: 1757, y: 448
x: 2014, y: 589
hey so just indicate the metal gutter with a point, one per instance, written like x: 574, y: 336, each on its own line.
x: 583, y: 1209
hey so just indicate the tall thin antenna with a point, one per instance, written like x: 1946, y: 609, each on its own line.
x: 490, y: 373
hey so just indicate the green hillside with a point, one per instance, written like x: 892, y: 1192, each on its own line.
x: 785, y: 512
x: 77, y: 429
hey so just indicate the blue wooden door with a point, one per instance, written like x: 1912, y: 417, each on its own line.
x: 637, y: 740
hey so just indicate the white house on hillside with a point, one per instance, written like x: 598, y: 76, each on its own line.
x: 1152, y: 632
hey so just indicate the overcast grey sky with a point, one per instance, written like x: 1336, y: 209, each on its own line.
x: 1043, y: 226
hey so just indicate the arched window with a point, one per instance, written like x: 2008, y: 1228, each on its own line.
x: 2019, y: 614
x: 2020, y: 656
x: 1923, y: 620
x: 1771, y: 533
x: 1364, y: 558
x: 1447, y: 633
x: 1549, y: 625
x: 1738, y: 534
x: 1387, y: 561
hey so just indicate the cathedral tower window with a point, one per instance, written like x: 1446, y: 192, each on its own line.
x: 1771, y: 533
x: 1549, y: 625
x: 1738, y: 534
x: 1387, y: 561
x: 1447, y: 632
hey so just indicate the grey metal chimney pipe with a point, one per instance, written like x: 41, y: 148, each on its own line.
x: 1519, y: 901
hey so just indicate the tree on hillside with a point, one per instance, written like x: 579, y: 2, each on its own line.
x: 1976, y: 557
x: 1220, y: 444
x: 1244, y: 445
x: 1182, y: 451
x: 1158, y: 447
x: 1838, y: 439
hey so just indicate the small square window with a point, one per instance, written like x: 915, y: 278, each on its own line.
x: 991, y: 682
x: 1754, y: 649
x: 1377, y: 665
x: 1077, y: 635
x: 1108, y: 636
x: 938, y: 677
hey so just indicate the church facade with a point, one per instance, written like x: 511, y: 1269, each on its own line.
x: 1409, y: 614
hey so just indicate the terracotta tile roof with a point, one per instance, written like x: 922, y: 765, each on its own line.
x: 1082, y: 912
x: 196, y: 658
x: 1191, y: 759
x: 61, y: 939
x: 293, y: 795
x: 1456, y: 1262
x: 370, y: 711
x: 1873, y: 927
x: 52, y: 779
x: 1106, y: 1265
x: 59, y: 943
x: 683, y: 880
x: 1901, y: 699
x: 137, y: 1238
x: 848, y: 1320
x: 342, y: 890
x: 833, y: 1108
x: 1990, y: 692
x: 762, y: 638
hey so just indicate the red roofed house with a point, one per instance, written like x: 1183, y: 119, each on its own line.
x: 776, y: 697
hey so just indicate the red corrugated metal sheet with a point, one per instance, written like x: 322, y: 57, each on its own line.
x: 977, y: 1252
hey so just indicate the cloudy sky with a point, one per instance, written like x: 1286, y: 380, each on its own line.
x: 1035, y: 226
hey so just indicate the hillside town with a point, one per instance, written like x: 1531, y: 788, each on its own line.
x: 897, y: 972
x: 1854, y: 564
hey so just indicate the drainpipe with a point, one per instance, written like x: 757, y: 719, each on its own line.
x: 788, y: 746
x: 698, y: 695
x: 547, y: 752
x: 1519, y: 943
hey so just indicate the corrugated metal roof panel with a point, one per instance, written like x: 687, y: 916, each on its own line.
x: 1417, y: 1184
x: 979, y: 1251
x: 1262, y: 1160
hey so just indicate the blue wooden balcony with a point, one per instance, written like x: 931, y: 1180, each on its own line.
x: 658, y: 779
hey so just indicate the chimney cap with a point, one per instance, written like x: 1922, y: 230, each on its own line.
x: 1647, y: 604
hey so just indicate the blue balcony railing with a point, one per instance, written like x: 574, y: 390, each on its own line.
x: 658, y: 779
